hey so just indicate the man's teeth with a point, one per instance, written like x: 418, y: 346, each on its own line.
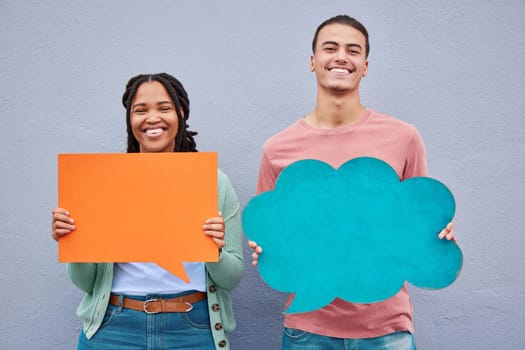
x: 154, y: 132
x: 340, y: 70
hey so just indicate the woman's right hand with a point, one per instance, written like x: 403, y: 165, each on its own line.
x: 61, y: 223
x: 256, y: 251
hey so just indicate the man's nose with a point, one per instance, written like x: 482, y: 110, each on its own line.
x: 341, y: 55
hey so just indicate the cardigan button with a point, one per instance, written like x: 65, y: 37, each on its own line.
x: 215, y: 307
x: 222, y: 343
x: 218, y: 326
x: 212, y: 289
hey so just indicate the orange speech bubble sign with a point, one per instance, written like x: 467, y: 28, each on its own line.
x: 139, y: 207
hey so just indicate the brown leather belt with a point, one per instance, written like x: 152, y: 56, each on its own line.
x: 156, y: 305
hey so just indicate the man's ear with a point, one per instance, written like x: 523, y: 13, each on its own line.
x: 312, y: 63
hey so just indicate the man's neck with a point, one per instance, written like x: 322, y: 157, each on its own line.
x: 335, y: 111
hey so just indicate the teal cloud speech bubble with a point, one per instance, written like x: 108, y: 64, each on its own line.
x: 356, y: 233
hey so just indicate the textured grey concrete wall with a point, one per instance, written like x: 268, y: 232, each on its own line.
x: 452, y: 68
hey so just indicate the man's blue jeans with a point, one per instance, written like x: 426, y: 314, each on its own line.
x: 294, y: 339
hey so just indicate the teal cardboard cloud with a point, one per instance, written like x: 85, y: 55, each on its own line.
x: 356, y: 233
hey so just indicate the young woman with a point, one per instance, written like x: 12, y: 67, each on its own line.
x: 141, y: 305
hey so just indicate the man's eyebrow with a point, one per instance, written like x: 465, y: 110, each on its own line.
x: 329, y: 43
x: 354, y: 45
x: 337, y: 44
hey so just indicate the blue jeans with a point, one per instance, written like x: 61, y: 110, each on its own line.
x: 294, y: 339
x: 126, y: 329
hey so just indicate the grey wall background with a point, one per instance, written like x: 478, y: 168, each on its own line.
x: 452, y: 68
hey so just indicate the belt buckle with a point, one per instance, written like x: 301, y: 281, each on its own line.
x: 190, y: 306
x: 146, y: 306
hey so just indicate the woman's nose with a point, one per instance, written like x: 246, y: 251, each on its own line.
x: 152, y: 118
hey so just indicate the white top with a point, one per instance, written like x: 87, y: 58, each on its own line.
x: 150, y: 278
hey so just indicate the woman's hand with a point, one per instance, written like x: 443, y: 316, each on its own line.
x: 257, y: 250
x: 61, y: 223
x: 215, y: 228
x: 448, y: 232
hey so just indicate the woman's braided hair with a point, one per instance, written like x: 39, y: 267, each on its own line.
x: 184, y: 141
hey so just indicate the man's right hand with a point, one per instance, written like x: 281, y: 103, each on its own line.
x: 257, y: 250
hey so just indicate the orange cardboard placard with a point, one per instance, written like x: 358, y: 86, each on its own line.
x: 139, y: 207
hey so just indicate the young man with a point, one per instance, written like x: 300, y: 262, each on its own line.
x: 340, y: 128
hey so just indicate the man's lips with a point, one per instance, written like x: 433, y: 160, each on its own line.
x: 340, y: 70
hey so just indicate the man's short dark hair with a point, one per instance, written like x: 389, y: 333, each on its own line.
x: 346, y: 20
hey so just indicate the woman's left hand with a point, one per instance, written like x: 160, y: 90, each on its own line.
x: 215, y: 228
